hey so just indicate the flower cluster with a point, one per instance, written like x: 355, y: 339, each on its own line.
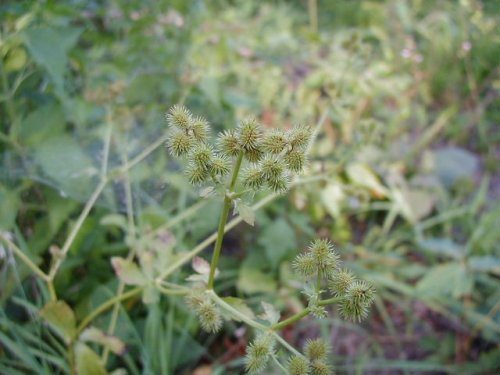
x: 259, y: 353
x: 208, y: 313
x: 314, y: 362
x: 273, y: 156
x: 321, y: 260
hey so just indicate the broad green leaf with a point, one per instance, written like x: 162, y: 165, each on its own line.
x: 61, y: 318
x: 452, y: 164
x: 278, y: 239
x: 270, y: 313
x: 49, y: 48
x: 113, y: 343
x: 16, y: 59
x: 63, y: 160
x: 44, y: 122
x: 87, y: 361
x: 442, y: 247
x: 445, y: 280
x: 239, y: 305
x: 361, y: 174
x: 128, y: 272
x: 485, y: 264
x: 9, y: 204
x: 252, y: 280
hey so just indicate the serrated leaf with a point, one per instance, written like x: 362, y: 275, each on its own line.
x: 270, y: 313
x: 87, y: 361
x: 246, y: 212
x: 239, y: 305
x: 61, y: 318
x: 128, y: 272
x: 113, y: 343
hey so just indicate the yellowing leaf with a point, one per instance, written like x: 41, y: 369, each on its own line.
x: 113, y: 343
x: 87, y: 361
x: 61, y: 318
x: 128, y: 272
x: 362, y: 175
x: 270, y: 313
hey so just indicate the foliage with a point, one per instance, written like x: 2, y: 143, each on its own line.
x: 402, y: 177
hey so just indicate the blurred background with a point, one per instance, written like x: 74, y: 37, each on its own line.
x: 406, y: 97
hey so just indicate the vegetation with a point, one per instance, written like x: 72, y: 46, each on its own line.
x: 373, y: 147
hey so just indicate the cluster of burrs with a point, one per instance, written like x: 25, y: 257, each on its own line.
x: 208, y: 313
x: 321, y: 262
x: 273, y: 155
x: 313, y: 362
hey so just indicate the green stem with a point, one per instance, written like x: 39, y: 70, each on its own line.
x: 222, y: 223
x: 24, y: 258
x: 106, y: 305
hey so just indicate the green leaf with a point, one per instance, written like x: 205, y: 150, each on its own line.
x: 252, y: 280
x: 150, y: 295
x: 444, y: 280
x: 278, y: 239
x: 442, y: 247
x: 61, y: 318
x: 239, y: 305
x: 453, y: 163
x: 246, y: 212
x: 113, y: 343
x: 63, y: 160
x: 44, y: 122
x: 87, y: 361
x: 485, y: 264
x: 115, y: 220
x: 9, y: 204
x: 49, y: 48
x: 128, y: 272
x: 333, y: 196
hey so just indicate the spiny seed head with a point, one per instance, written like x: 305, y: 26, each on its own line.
x: 196, y: 175
x: 340, y: 282
x: 274, y: 142
x: 253, y: 178
x: 279, y: 185
x: 202, y: 156
x: 295, y: 160
x: 320, y: 368
x: 326, y: 258
x: 209, y: 316
x: 200, y: 129
x: 179, y: 117
x: 228, y: 143
x: 179, y: 143
x: 316, y: 350
x: 298, y: 365
x: 317, y: 311
x: 358, y: 298
x: 305, y: 265
x: 299, y: 136
x: 254, y: 155
x: 272, y: 167
x: 249, y: 134
x: 195, y: 299
x: 220, y: 165
x: 258, y: 353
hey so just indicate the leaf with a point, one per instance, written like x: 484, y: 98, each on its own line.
x: 251, y: 280
x: 270, y: 313
x: 87, y: 361
x: 246, y: 212
x: 442, y: 246
x: 419, y: 203
x: 63, y: 160
x: 201, y: 266
x: 49, y: 48
x: 444, y: 280
x: 9, y: 204
x: 113, y: 343
x: 485, y: 264
x: 128, y: 272
x: 361, y: 174
x: 453, y: 163
x: 61, y: 318
x: 117, y: 220
x: 44, y: 122
x: 278, y: 239
x: 333, y: 196
x: 239, y: 305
